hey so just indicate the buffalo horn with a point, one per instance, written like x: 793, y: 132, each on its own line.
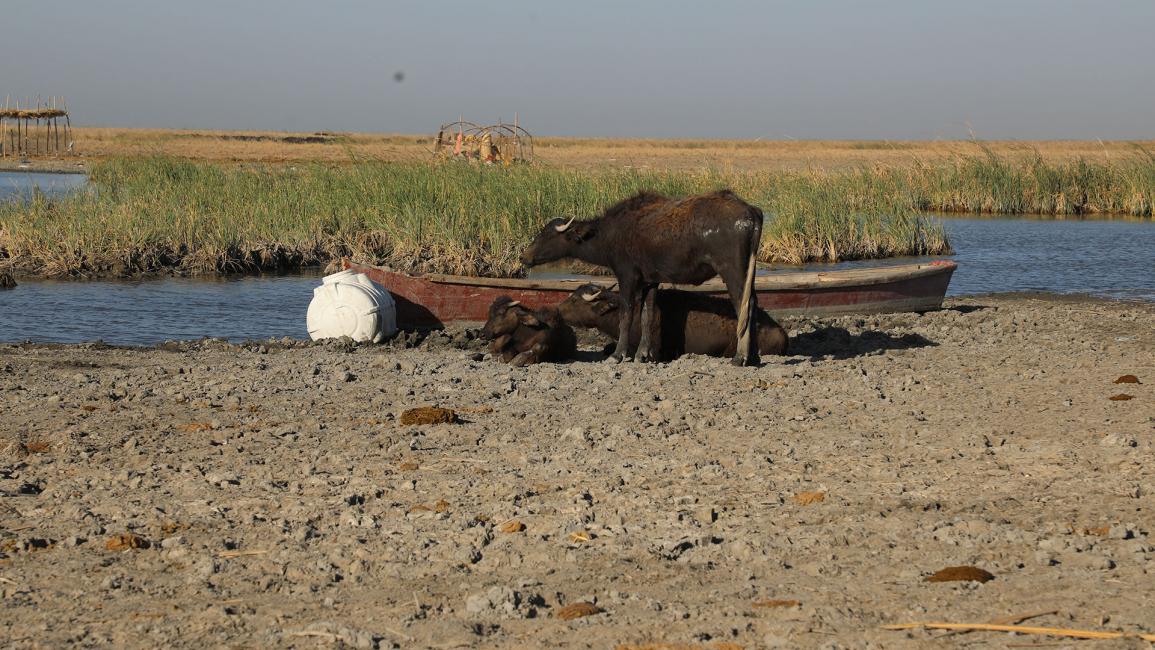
x: 565, y: 226
x: 513, y: 304
x: 590, y: 297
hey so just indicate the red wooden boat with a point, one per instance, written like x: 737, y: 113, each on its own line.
x: 432, y: 299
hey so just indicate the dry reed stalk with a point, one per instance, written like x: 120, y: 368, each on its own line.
x: 1023, y: 629
x: 225, y: 555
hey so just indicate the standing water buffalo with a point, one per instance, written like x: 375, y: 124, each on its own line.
x: 521, y: 336
x: 648, y: 238
x: 687, y: 322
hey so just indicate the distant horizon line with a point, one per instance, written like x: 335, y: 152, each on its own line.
x: 1150, y: 139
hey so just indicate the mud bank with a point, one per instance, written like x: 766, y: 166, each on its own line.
x: 206, y: 494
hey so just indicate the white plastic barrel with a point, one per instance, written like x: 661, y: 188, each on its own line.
x: 350, y: 304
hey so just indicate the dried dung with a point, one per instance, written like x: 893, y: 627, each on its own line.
x: 126, y: 541
x: 512, y: 526
x: 577, y: 610
x: 1121, y: 397
x: 441, y: 506
x: 37, y: 446
x: 807, y: 498
x: 960, y: 574
x: 428, y: 415
x: 1128, y: 379
x: 775, y: 603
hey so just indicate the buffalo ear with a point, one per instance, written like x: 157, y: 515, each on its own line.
x: 604, y: 308
x: 529, y: 320
x: 581, y: 232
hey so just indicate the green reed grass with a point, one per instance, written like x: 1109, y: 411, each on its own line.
x: 154, y: 214
x: 147, y: 215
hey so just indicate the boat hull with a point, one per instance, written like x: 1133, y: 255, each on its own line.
x: 434, y: 300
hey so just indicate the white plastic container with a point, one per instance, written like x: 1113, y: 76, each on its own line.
x: 350, y: 304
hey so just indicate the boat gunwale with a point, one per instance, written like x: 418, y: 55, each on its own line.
x: 792, y: 281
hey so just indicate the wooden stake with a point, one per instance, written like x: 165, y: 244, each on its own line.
x: 36, y: 133
x: 67, y: 123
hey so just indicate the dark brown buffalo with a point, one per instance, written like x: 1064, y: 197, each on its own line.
x: 687, y: 322
x: 647, y: 239
x: 521, y: 336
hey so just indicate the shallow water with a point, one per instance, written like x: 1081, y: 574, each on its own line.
x: 146, y: 312
x: 1114, y: 259
x: 21, y: 185
x: 1105, y: 258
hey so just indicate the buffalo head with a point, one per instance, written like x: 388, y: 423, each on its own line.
x: 558, y: 239
x: 505, y: 316
x: 587, y: 304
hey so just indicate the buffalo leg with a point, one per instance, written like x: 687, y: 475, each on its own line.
x: 646, y: 350
x: 530, y: 356
x: 740, y: 285
x: 628, y: 285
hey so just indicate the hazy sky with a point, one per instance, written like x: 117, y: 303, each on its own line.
x: 918, y: 69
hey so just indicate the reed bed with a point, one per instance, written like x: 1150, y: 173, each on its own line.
x: 990, y: 184
x: 155, y: 214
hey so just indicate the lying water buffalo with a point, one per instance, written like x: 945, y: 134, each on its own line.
x: 521, y: 336
x: 647, y: 239
x: 687, y: 322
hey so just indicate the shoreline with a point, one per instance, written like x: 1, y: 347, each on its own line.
x: 414, y: 338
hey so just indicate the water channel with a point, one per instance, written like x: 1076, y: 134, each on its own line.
x: 1110, y: 258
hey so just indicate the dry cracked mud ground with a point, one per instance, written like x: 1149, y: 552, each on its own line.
x: 266, y: 495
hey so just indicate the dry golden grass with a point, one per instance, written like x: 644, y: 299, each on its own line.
x: 579, y: 153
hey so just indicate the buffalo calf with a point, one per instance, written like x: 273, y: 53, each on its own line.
x: 521, y: 336
x: 686, y: 322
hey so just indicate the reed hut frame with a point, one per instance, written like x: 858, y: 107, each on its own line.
x: 27, y: 131
x: 499, y: 143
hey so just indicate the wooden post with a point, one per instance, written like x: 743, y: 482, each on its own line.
x: 36, y: 133
x: 67, y: 130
